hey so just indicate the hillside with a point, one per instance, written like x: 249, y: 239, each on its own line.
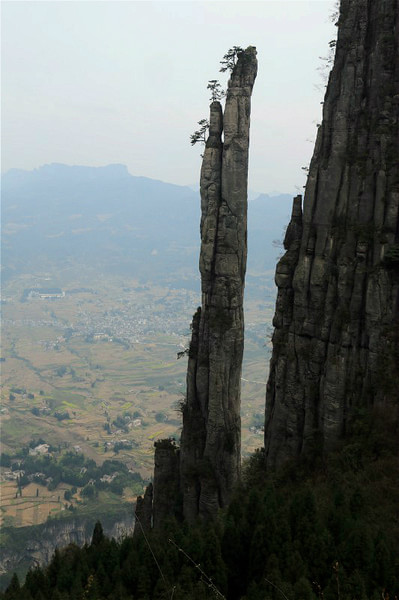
x: 112, y: 222
x: 313, y: 514
x: 95, y: 368
x: 322, y: 530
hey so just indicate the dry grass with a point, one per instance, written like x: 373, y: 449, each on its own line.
x: 106, y: 376
x: 35, y: 506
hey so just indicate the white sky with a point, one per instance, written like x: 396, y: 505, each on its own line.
x: 100, y: 82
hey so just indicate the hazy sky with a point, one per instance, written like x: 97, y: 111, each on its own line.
x: 94, y: 83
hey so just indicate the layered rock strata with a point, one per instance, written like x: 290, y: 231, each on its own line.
x: 335, y: 343
x: 210, y: 441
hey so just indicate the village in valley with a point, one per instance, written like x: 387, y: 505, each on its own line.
x: 94, y: 372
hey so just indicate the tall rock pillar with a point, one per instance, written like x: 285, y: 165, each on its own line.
x: 210, y: 441
x: 336, y: 338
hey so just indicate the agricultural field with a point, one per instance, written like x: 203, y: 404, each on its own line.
x: 35, y: 505
x: 37, y: 486
x: 96, y: 371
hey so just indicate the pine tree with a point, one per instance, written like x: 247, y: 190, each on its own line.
x: 229, y: 60
x: 98, y: 534
x: 217, y: 93
x: 200, y: 135
x: 13, y: 589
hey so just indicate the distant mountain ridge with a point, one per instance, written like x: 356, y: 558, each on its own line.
x: 119, y: 222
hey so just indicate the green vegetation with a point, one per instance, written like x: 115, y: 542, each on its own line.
x: 200, y: 135
x: 74, y: 469
x: 16, y: 540
x: 106, y: 382
x: 217, y: 93
x: 315, y: 529
x: 228, y: 63
x: 391, y: 257
x: 229, y: 60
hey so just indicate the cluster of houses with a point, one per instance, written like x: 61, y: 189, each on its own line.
x: 49, y: 293
x: 39, y: 450
x: 257, y: 430
x: 16, y: 475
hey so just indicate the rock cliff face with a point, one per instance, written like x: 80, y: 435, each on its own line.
x: 335, y: 344
x: 166, y: 482
x: 210, y: 441
x: 25, y: 547
x: 143, y: 513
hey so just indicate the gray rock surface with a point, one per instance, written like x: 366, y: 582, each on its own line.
x: 210, y: 441
x: 26, y: 547
x: 166, y: 482
x: 336, y: 338
x: 143, y: 513
x: 197, y: 479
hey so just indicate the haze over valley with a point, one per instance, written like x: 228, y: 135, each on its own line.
x: 174, y: 426
x: 100, y: 282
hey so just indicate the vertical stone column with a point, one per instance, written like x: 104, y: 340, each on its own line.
x: 211, y: 436
x: 166, y: 499
x: 143, y: 513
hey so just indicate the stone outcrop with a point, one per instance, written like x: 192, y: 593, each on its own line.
x: 27, y: 547
x: 210, y: 441
x: 335, y: 344
x: 143, y: 513
x: 197, y: 479
x: 166, y: 501
x: 162, y: 499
